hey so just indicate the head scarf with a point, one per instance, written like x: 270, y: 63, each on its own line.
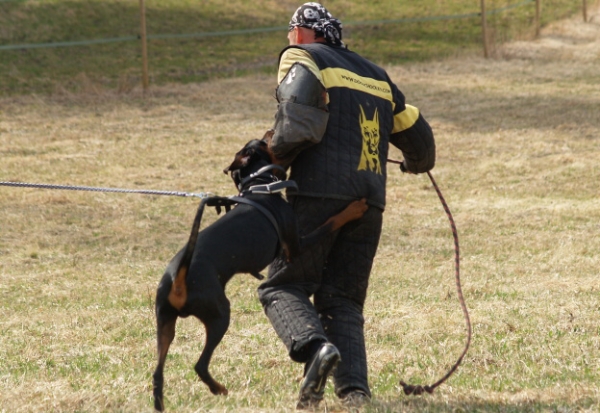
x: 316, y: 17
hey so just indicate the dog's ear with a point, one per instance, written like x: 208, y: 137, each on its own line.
x: 239, y: 162
x: 268, y: 136
x: 241, y: 159
x: 285, y: 162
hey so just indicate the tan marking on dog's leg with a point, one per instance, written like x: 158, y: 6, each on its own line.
x: 286, y: 252
x: 165, y: 335
x: 354, y: 211
x: 178, y: 294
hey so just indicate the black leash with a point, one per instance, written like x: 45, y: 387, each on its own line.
x: 418, y: 389
x: 101, y: 189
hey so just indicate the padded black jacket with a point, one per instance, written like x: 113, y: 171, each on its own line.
x: 367, y: 112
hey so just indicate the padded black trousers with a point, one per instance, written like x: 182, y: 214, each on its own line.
x: 336, y: 273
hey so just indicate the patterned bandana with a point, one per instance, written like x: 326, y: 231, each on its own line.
x: 316, y: 17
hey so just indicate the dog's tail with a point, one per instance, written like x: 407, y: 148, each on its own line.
x: 178, y: 294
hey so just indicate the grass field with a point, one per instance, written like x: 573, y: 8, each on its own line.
x: 518, y: 155
x: 184, y: 58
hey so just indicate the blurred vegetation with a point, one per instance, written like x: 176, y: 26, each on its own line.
x: 117, y: 64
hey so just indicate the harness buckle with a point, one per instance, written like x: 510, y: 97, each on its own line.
x: 273, y: 188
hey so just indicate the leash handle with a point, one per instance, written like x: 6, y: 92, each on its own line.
x: 418, y: 389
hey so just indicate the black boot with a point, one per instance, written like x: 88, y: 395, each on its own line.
x: 318, y: 369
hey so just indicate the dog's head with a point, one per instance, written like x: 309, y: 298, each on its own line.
x: 253, y: 156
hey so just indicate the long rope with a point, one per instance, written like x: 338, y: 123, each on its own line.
x: 101, y: 189
x: 418, y: 389
x: 408, y: 389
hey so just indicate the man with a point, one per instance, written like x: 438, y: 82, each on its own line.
x: 337, y: 114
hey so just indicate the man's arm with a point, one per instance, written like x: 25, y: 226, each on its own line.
x: 413, y: 136
x: 302, y: 115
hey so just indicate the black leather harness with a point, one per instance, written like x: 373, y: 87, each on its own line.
x: 276, y: 186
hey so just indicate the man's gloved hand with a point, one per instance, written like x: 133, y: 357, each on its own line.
x: 403, y: 168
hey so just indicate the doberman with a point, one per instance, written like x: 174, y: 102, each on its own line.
x: 245, y: 240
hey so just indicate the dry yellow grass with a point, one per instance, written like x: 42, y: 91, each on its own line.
x: 518, y: 155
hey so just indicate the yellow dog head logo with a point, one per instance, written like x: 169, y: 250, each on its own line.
x: 369, y: 157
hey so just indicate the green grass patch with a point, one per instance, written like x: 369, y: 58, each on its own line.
x: 117, y: 65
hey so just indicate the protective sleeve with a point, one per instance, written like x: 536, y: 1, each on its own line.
x: 302, y: 115
x: 417, y: 145
x: 412, y: 135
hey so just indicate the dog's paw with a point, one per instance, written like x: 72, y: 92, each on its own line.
x: 356, y: 209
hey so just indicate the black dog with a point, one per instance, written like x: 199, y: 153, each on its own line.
x: 245, y: 240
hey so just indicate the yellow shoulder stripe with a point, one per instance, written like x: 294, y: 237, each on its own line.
x: 295, y: 55
x: 405, y: 119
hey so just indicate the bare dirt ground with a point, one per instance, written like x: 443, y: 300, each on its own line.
x: 518, y: 140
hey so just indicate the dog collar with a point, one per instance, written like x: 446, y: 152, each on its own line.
x: 272, y: 188
x: 261, y: 171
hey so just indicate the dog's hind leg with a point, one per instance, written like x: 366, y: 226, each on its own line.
x: 165, y: 333
x: 216, y: 327
x: 353, y: 211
